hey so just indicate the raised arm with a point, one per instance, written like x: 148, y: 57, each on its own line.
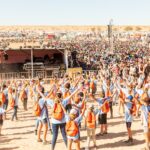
x: 92, y: 97
x: 84, y: 108
x: 77, y: 82
x: 51, y: 91
x: 63, y: 108
x: 69, y: 97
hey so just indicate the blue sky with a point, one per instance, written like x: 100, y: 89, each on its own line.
x: 74, y: 12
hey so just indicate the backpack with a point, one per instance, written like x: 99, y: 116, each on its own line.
x: 58, y: 112
x: 2, y: 97
x: 72, y: 128
x: 77, y: 100
x: 144, y: 96
x: 37, y: 110
x: 149, y: 120
x: 92, y: 85
x: 89, y: 117
x: 108, y: 93
x: 105, y: 107
x: 133, y: 109
x: 23, y: 95
x: 91, y: 120
x: 12, y: 102
x: 122, y: 95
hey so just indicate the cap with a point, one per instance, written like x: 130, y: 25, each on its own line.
x: 130, y: 97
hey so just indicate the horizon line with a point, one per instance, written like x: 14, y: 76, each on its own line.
x: 74, y: 25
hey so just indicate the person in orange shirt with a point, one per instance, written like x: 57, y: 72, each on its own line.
x: 72, y: 128
x: 90, y: 117
x: 108, y: 87
x: 102, y: 113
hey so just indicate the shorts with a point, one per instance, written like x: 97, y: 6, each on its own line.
x: 102, y: 119
x: 110, y: 104
x: 128, y: 124
x: 44, y: 121
x: 74, y: 138
x: 90, y: 132
x: 1, y: 122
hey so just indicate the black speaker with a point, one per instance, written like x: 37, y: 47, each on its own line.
x: 5, y: 56
x: 74, y: 54
x: 57, y: 56
x: 109, y: 30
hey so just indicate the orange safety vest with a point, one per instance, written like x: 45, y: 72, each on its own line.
x: 91, y: 120
x: 121, y: 95
x: 58, y: 112
x: 72, y: 128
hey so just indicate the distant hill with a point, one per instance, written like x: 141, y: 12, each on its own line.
x: 75, y: 28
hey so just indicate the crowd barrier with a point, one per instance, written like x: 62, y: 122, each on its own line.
x: 41, y: 74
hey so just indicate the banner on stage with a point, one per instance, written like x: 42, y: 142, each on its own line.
x: 73, y: 71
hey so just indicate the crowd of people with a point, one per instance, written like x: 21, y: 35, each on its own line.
x: 121, y: 77
x: 69, y: 102
x: 91, y: 47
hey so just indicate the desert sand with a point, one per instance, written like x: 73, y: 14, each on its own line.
x: 74, y: 28
x: 19, y: 135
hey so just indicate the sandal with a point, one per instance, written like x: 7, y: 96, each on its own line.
x: 45, y: 142
x: 100, y: 134
x: 105, y: 133
x: 39, y: 140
